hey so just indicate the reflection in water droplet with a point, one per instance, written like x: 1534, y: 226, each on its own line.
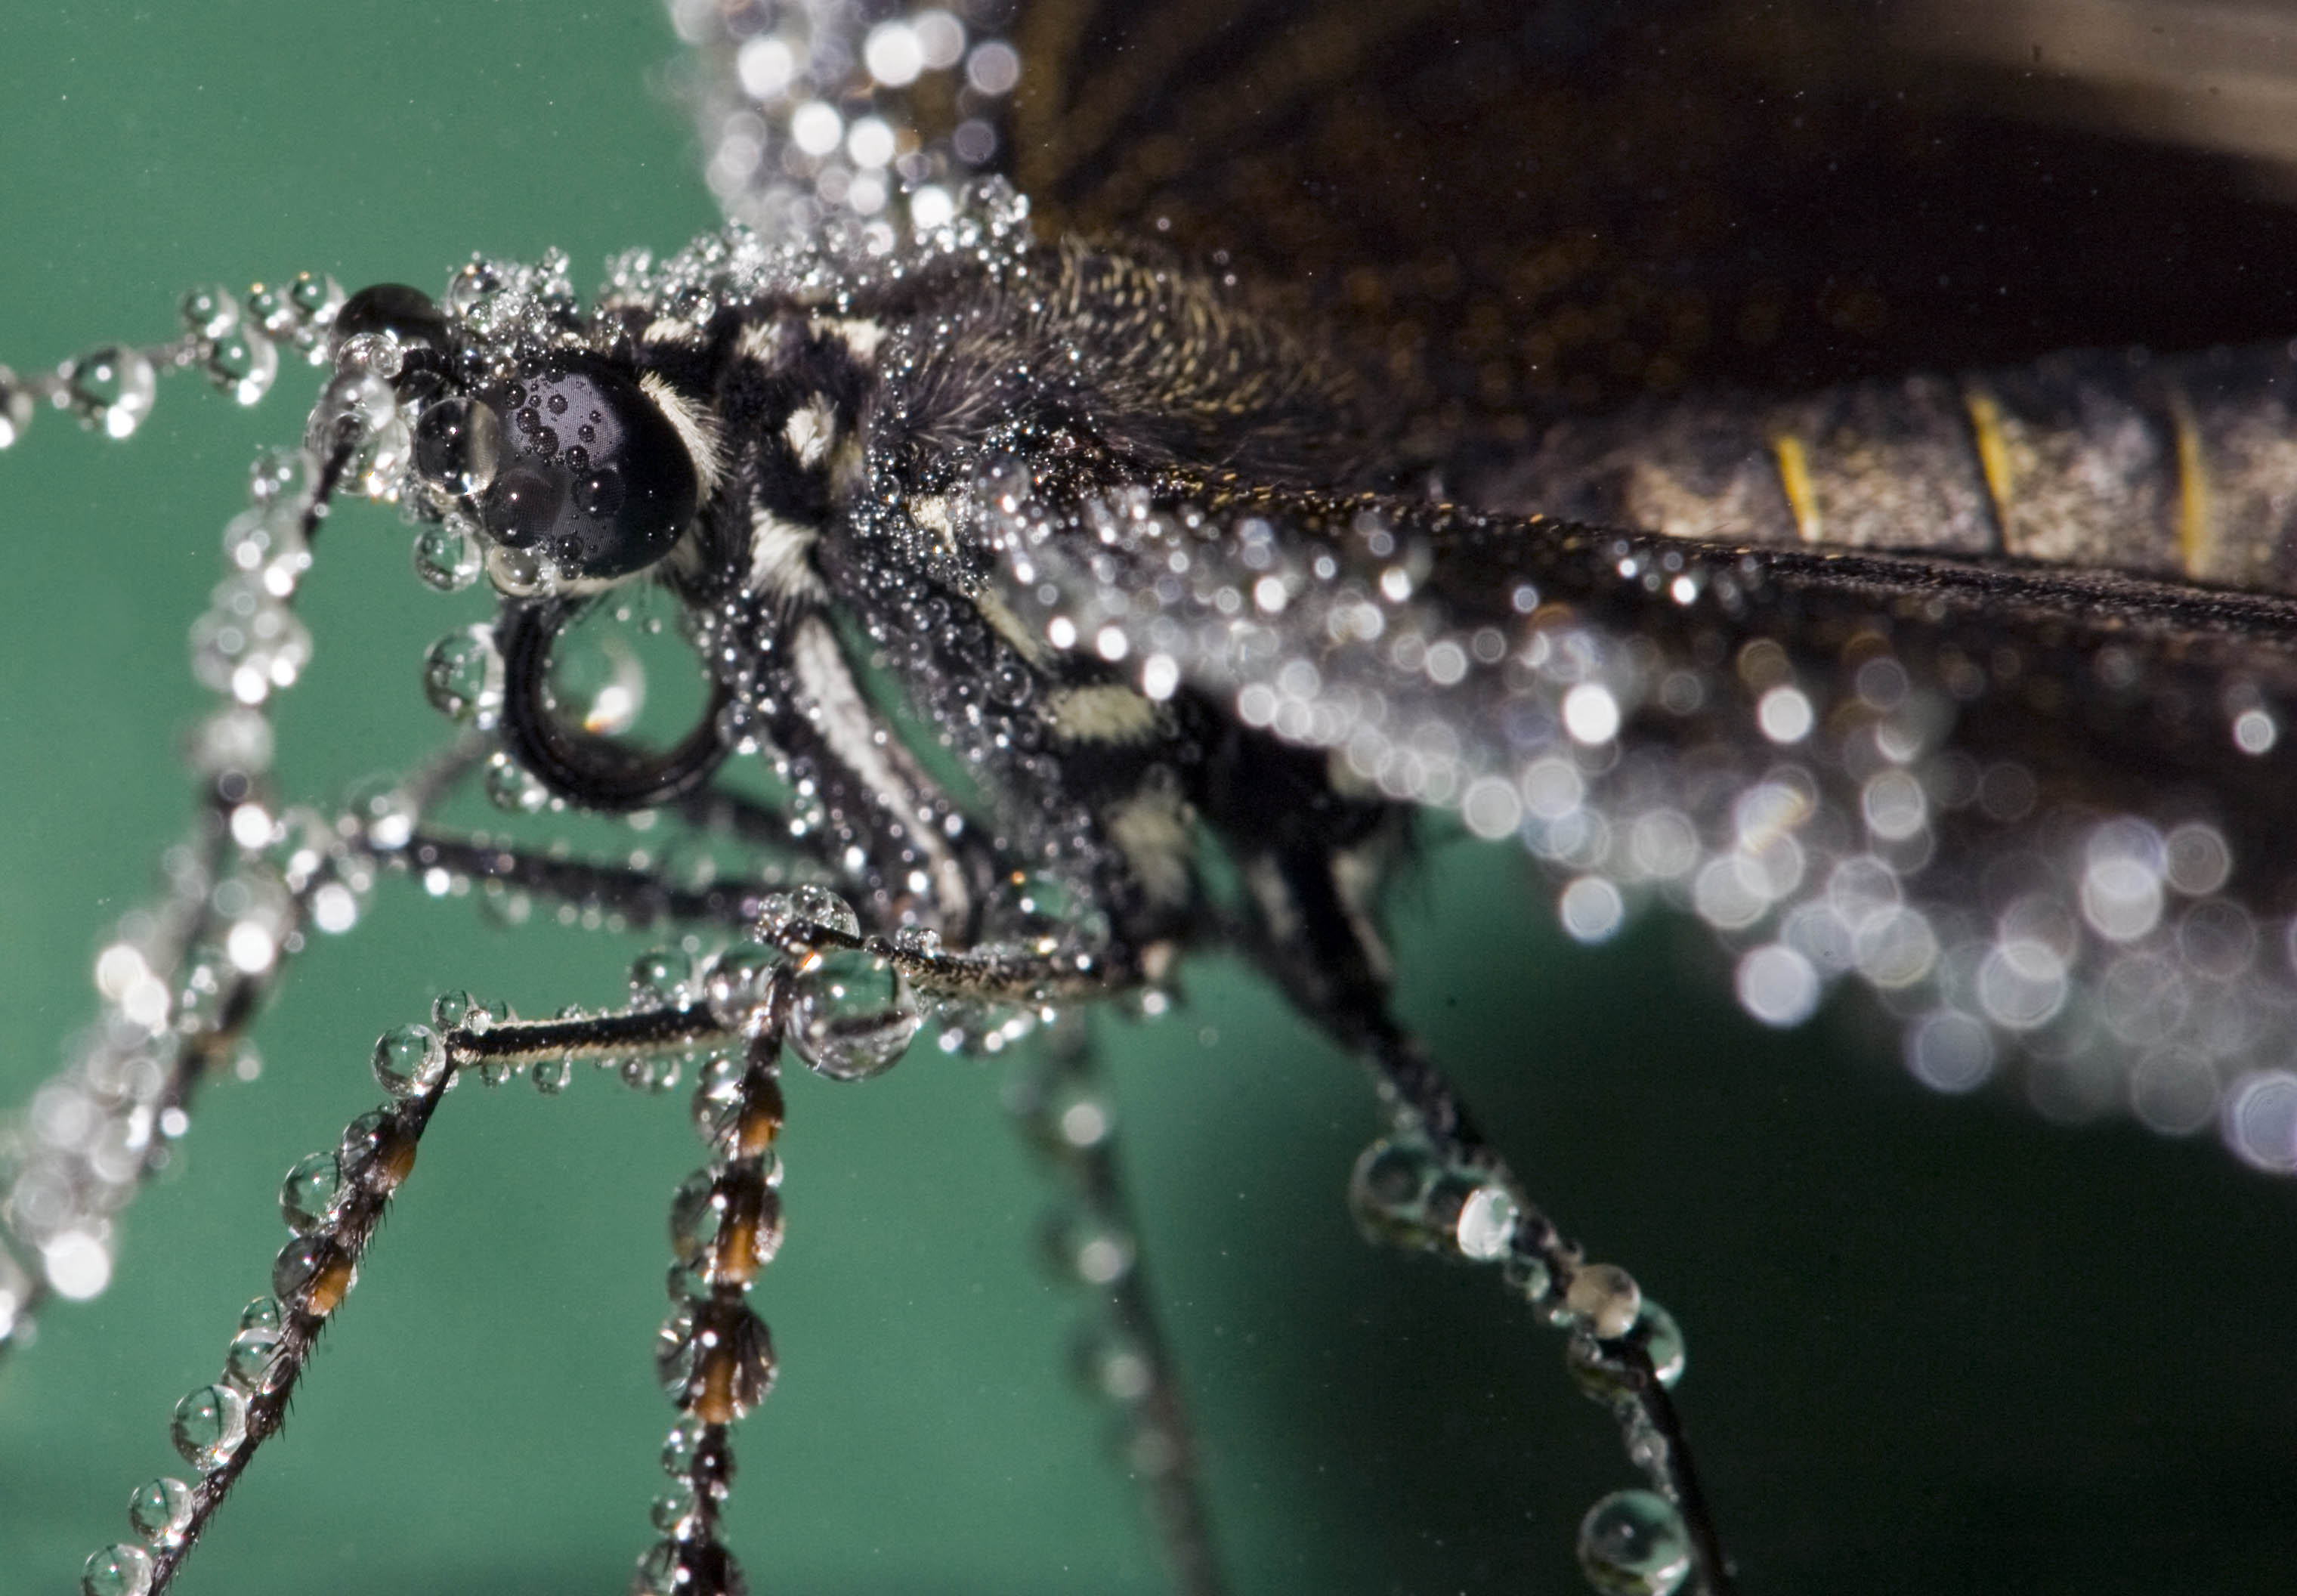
x: 1634, y: 1543
x: 121, y: 1570
x: 853, y: 1015
x: 111, y: 388
x: 159, y: 1509
x: 208, y: 1426
x: 307, y: 1195
x: 409, y: 1060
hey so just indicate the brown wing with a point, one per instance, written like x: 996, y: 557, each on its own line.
x: 1514, y: 208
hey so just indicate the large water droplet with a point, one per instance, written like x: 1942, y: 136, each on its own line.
x: 253, y: 1362
x: 662, y: 978
x: 728, y: 1226
x: 159, y: 1510
x: 1634, y: 1543
x: 241, y: 362
x: 111, y: 388
x: 446, y: 555
x: 312, y: 1275
x: 377, y: 1151
x: 458, y: 446
x: 121, y: 1570
x: 805, y: 906
x: 853, y: 1015
x: 715, y: 1359
x: 409, y: 1060
x: 737, y: 981
x: 307, y: 1195
x: 463, y: 676
x: 208, y: 1426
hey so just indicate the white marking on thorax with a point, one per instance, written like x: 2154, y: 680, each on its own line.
x: 860, y: 338
x: 1106, y: 713
x: 670, y: 329
x: 812, y: 428
x: 781, y: 559
x: 859, y: 742
x: 696, y: 428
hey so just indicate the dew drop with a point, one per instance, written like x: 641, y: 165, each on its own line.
x: 209, y: 311
x: 308, y: 1195
x: 252, y: 1362
x: 458, y: 446
x: 738, y: 982
x: 511, y: 787
x: 314, y: 1275
x: 662, y: 978
x: 242, y: 363
x: 121, y: 1570
x: 1605, y: 1299
x: 1634, y: 1543
x: 208, y: 1426
x: 446, y: 555
x: 159, y: 1509
x: 550, y: 1075
x: 111, y: 388
x: 853, y: 1015
x: 409, y: 1060
x: 463, y: 676
x: 808, y: 906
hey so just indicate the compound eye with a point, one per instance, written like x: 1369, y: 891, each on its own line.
x: 591, y: 475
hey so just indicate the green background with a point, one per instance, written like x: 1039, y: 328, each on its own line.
x: 1934, y: 1344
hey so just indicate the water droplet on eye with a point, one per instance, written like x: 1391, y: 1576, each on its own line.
x: 523, y: 504
x: 121, y: 1570
x: 159, y: 1509
x: 111, y: 388
x: 1634, y: 1543
x: 308, y: 1195
x: 409, y: 1060
x: 600, y: 493
x: 853, y: 1015
x: 463, y: 676
x: 208, y: 1426
x: 808, y: 906
x: 458, y: 446
x: 241, y: 362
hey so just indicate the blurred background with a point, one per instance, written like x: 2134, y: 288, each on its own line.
x: 1933, y: 1344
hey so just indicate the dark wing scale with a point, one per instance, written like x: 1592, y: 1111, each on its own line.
x: 1509, y: 210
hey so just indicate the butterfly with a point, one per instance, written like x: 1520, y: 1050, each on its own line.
x: 1468, y: 974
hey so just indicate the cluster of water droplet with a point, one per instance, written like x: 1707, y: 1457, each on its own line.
x: 234, y: 339
x: 330, y: 1201
x: 814, y: 113
x: 178, y: 979
x: 1064, y: 1108
x: 1823, y: 824
x: 714, y: 1356
x: 1406, y: 1191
